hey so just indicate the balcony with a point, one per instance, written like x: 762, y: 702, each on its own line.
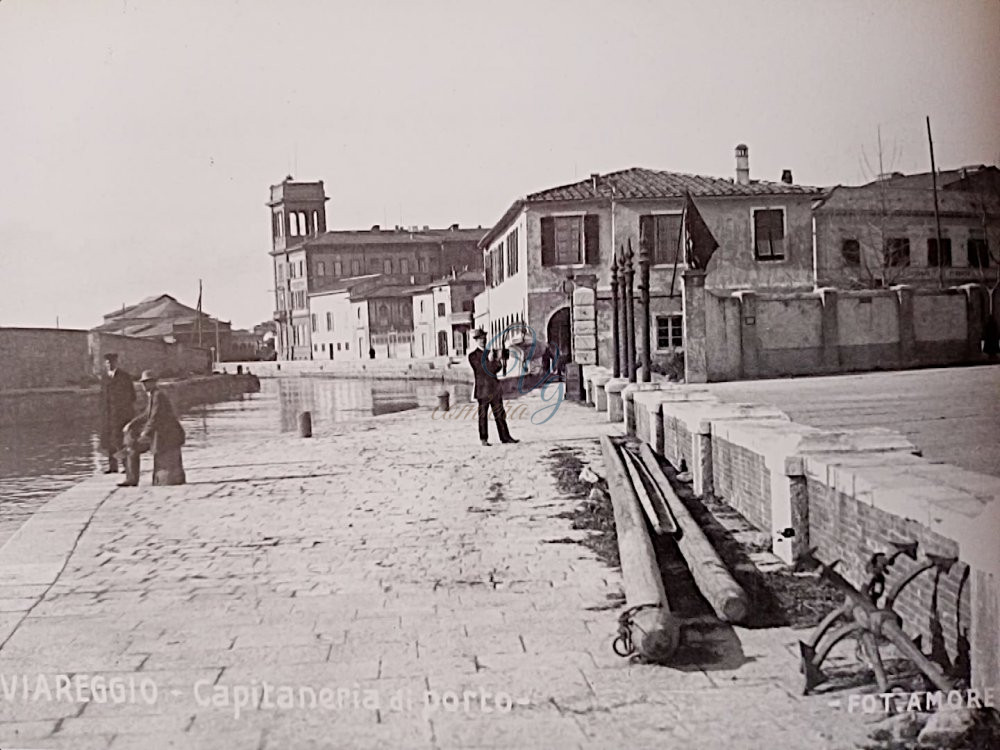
x: 463, y: 318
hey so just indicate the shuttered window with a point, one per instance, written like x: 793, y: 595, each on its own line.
x: 769, y: 233
x: 662, y: 234
x: 570, y: 240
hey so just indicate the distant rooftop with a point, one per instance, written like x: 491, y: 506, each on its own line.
x: 395, y: 236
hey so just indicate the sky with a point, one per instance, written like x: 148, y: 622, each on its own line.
x: 138, y: 139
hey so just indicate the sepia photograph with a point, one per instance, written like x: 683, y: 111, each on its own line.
x: 452, y: 374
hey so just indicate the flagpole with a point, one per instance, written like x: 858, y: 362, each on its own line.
x: 199, y: 313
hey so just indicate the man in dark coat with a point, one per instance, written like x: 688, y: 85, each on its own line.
x: 117, y: 408
x: 488, y: 390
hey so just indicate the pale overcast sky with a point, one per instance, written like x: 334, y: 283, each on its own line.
x: 138, y: 139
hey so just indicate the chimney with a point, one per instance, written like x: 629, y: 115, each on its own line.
x: 742, y: 165
x: 786, y: 176
x: 453, y: 227
x: 594, y: 177
x: 376, y: 228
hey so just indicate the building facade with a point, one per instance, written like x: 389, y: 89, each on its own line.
x: 307, y: 258
x: 556, y: 240
x: 886, y: 232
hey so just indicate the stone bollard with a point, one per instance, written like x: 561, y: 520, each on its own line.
x: 305, y: 424
x: 444, y: 401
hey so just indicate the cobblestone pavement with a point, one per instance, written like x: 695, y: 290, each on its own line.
x: 952, y: 414
x: 394, y: 561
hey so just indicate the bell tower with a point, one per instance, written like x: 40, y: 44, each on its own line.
x: 298, y: 211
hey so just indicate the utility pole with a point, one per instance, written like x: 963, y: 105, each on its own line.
x: 937, y: 217
x: 616, y: 367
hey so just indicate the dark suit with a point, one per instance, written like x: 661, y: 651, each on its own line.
x: 489, y: 393
x: 117, y: 409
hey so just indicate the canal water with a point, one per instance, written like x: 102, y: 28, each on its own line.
x: 39, y: 461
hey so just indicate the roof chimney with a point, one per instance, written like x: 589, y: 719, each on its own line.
x: 742, y: 164
x: 453, y: 227
x: 786, y: 176
x: 376, y: 228
x: 594, y: 177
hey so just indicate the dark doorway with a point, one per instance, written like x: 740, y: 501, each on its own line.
x: 442, y: 343
x: 558, y: 332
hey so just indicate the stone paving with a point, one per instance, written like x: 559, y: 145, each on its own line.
x: 952, y: 414
x: 391, y: 569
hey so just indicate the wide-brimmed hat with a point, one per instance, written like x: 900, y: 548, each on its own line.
x: 479, y: 333
x: 147, y: 375
x: 110, y: 356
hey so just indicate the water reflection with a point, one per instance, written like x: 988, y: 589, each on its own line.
x: 40, y: 460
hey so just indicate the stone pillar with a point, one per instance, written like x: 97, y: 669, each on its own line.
x: 750, y: 366
x: 584, y: 326
x: 976, y: 309
x: 695, y: 336
x: 907, y: 330
x: 616, y: 401
x: 830, y: 334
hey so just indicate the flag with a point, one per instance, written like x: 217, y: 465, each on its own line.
x: 700, y: 242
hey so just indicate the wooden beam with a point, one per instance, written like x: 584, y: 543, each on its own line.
x: 655, y: 632
x: 714, y: 580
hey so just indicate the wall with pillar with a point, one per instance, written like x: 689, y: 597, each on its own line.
x: 746, y: 334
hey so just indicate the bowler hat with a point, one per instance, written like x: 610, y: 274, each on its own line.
x: 479, y: 334
x: 110, y: 356
x: 147, y: 375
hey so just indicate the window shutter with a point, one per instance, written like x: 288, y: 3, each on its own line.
x: 548, y: 241
x: 592, y: 239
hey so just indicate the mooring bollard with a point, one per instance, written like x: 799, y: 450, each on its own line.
x: 444, y: 401
x: 305, y: 424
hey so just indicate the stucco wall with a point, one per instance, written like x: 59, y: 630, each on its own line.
x: 753, y: 335
x: 51, y: 358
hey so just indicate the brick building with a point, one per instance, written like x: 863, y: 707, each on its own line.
x: 307, y: 258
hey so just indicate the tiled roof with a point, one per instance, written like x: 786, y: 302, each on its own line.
x: 638, y: 182
x: 402, y: 236
x: 882, y: 196
x: 389, y: 290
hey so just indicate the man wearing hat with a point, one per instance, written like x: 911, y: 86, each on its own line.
x: 117, y: 407
x: 163, y: 435
x: 488, y: 390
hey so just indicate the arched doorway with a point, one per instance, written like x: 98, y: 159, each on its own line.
x: 558, y: 332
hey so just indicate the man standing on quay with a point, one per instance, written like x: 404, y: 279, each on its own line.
x: 117, y: 408
x: 488, y: 390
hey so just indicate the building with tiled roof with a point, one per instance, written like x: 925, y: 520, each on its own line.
x: 307, y: 258
x: 886, y: 232
x: 163, y: 318
x: 555, y: 240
